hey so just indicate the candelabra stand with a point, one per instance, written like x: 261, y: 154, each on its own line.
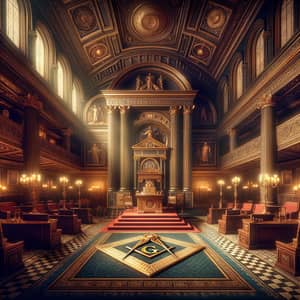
x: 268, y: 181
x: 221, y: 182
x: 64, y: 181
x: 33, y: 182
x: 235, y: 181
x: 78, y: 183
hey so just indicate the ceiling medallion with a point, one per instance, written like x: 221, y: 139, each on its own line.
x: 84, y: 18
x: 150, y: 22
x: 202, y: 51
x: 97, y: 51
x: 216, y: 18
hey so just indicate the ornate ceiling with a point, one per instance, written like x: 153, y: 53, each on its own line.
x: 103, y: 38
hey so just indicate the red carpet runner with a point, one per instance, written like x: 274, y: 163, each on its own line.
x: 130, y: 220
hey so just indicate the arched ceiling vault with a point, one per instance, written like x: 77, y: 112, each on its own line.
x: 104, y: 37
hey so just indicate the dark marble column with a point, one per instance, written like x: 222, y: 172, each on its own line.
x: 174, y: 149
x: 268, y: 145
x: 124, y: 150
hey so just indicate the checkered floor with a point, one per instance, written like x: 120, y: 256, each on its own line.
x: 281, y: 284
x: 39, y: 263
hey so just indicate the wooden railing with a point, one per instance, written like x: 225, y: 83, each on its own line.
x: 11, y: 131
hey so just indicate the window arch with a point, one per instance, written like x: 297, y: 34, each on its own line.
x: 225, y: 97
x: 44, y: 52
x: 77, y: 96
x: 17, y: 22
x: 259, y: 54
x: 237, y: 76
x: 40, y: 54
x: 64, y: 80
x: 13, y: 21
x: 239, y: 80
x: 286, y: 21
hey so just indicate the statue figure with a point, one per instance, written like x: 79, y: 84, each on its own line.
x: 138, y: 83
x: 205, y: 152
x: 160, y: 82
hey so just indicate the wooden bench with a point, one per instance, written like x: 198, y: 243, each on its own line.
x: 84, y: 214
x: 214, y: 214
x: 11, y: 254
x: 262, y: 235
x: 36, y: 234
x: 69, y: 224
x: 288, y: 255
x: 231, y: 222
x: 246, y: 208
x: 7, y: 209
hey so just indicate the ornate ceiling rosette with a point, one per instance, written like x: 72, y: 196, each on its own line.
x: 150, y: 22
x: 97, y: 52
x: 202, y: 51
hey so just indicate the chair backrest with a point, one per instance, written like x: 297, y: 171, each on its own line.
x: 259, y: 208
x: 290, y: 207
x: 229, y: 205
x: 247, y: 206
x: 35, y: 217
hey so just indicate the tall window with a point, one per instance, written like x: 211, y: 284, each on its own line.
x: 40, y: 54
x: 74, y: 98
x: 60, y: 80
x: 260, y: 54
x: 225, y: 97
x: 287, y: 20
x: 13, y: 21
x: 239, y: 79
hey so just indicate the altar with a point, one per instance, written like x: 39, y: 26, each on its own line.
x: 149, y: 203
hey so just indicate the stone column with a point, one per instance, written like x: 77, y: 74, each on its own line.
x: 112, y: 161
x: 32, y: 36
x: 31, y: 144
x: 232, y: 139
x: 31, y: 139
x: 67, y: 132
x: 174, y: 150
x: 268, y: 144
x: 124, y: 150
x: 187, y: 156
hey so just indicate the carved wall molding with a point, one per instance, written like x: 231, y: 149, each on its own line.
x: 288, y: 133
x: 152, y: 116
x: 149, y: 98
x: 241, y: 155
x: 194, y: 73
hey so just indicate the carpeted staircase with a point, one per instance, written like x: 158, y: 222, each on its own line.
x: 130, y: 220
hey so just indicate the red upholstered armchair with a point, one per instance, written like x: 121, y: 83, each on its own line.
x: 290, y: 209
x: 11, y: 254
x: 246, y: 208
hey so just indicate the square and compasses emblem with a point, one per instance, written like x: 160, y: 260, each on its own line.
x: 150, y: 253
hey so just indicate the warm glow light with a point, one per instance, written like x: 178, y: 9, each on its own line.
x: 63, y: 179
x: 245, y: 187
x: 78, y: 182
x: 228, y: 187
x: 266, y: 179
x: 70, y: 187
x: 3, y: 187
x: 236, y: 180
x: 220, y: 182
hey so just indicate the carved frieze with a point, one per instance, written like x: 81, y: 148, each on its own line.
x: 243, y: 154
x: 288, y: 133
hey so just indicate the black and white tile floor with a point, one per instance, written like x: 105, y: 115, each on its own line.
x: 260, y: 263
x: 282, y: 284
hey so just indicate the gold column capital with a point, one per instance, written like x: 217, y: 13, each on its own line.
x: 111, y: 108
x: 123, y: 108
x: 174, y: 109
x: 187, y: 109
x: 266, y: 101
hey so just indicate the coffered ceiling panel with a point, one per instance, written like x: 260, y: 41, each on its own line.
x: 104, y: 37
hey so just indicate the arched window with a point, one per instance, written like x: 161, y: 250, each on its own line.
x: 13, y: 21
x: 225, y: 97
x: 45, y: 56
x: 239, y: 80
x: 75, y: 97
x: 40, y: 54
x: 259, y: 54
x: 287, y: 21
x: 60, y: 80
